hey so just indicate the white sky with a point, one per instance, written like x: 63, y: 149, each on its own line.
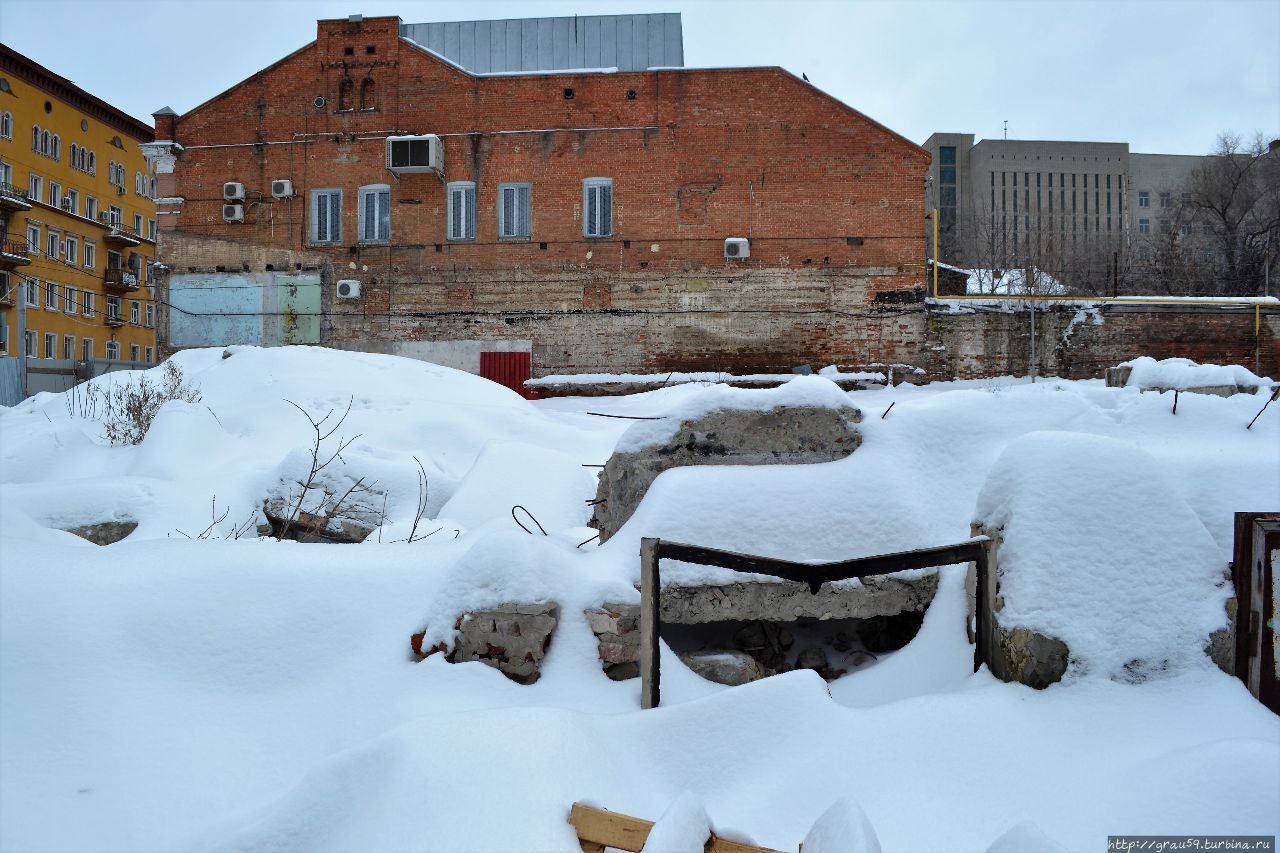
x: 1166, y: 76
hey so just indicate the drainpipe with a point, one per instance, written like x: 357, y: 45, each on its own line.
x: 22, y: 336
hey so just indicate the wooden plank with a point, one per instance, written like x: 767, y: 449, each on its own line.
x: 650, y: 586
x: 816, y: 574
x: 984, y: 582
x: 601, y: 828
x: 610, y: 829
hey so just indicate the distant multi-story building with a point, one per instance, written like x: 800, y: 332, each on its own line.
x: 1085, y: 210
x: 77, y: 219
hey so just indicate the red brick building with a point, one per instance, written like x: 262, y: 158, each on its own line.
x: 581, y: 216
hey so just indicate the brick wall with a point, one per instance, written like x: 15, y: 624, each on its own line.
x: 832, y: 202
x: 1082, y: 344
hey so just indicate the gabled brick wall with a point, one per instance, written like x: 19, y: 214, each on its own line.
x: 833, y: 204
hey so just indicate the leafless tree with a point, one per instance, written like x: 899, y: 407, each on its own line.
x: 1235, y: 194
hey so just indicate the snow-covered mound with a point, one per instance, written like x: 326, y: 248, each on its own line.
x: 1128, y: 597
x: 1183, y: 373
x: 172, y: 694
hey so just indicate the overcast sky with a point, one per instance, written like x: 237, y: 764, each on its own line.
x: 1166, y: 76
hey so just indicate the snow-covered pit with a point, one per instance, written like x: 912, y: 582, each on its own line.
x: 164, y: 693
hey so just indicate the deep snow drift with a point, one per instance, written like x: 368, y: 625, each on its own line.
x: 166, y: 693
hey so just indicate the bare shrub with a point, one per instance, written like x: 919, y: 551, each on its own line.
x: 129, y: 408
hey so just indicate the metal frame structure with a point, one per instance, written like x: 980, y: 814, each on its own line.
x: 977, y: 550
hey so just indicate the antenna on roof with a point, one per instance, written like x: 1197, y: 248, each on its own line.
x: 1006, y: 128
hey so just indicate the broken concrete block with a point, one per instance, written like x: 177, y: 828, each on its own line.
x: 511, y: 638
x: 726, y: 667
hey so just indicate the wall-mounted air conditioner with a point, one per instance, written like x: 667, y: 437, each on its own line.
x: 282, y: 189
x: 411, y: 154
x: 233, y: 191
x: 233, y: 213
x: 347, y: 288
x: 737, y: 248
x: 68, y: 204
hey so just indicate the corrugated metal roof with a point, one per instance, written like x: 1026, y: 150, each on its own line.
x: 625, y: 42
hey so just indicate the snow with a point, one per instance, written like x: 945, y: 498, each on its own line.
x: 172, y: 694
x: 1128, y: 599
x: 676, y: 378
x: 683, y: 828
x: 1183, y: 373
x: 843, y: 828
x: 817, y: 391
x: 1015, y: 282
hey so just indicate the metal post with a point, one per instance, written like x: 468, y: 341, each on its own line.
x: 981, y: 611
x: 650, y: 585
x: 1032, y: 303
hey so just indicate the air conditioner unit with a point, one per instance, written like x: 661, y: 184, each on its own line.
x: 411, y: 154
x: 737, y: 248
x: 347, y: 288
x: 104, y: 217
x: 233, y: 191
x: 282, y: 189
x: 233, y: 213
x: 68, y: 204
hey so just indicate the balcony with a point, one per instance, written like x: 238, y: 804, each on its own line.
x: 119, y: 234
x: 119, y: 280
x: 112, y: 319
x: 14, y: 253
x: 13, y: 198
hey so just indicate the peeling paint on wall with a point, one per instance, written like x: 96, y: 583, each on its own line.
x: 260, y: 309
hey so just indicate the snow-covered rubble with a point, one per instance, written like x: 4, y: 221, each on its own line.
x: 165, y: 693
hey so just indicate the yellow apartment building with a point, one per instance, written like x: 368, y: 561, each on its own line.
x: 77, y: 220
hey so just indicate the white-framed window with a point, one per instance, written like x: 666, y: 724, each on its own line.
x: 1185, y: 229
x: 57, y: 147
x: 33, y: 238
x: 69, y: 347
x: 86, y: 349
x: 462, y: 210
x: 113, y: 307
x: 73, y: 201
x: 1144, y: 226
x: 69, y: 300
x: 513, y: 211
x: 55, y: 194
x: 6, y: 173
x: 137, y: 224
x: 6, y: 125
x: 1164, y: 199
x: 29, y: 345
x: 90, y: 207
x: 151, y: 229
x: 375, y: 213
x: 113, y: 350
x: 135, y: 351
x: 35, y: 187
x: 1144, y: 199
x: 90, y: 255
x: 151, y: 188
x: 71, y: 249
x: 51, y: 296
x: 50, y: 345
x: 326, y: 216
x: 87, y: 298
x: 150, y: 356
x: 139, y: 185
x: 115, y: 216
x: 135, y: 312
x: 151, y: 315
x: 35, y: 137
x: 53, y: 244
x: 31, y: 292
x: 597, y: 207
x: 93, y: 164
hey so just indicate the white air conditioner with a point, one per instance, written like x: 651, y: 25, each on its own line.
x: 737, y: 248
x: 282, y: 189
x: 233, y: 191
x: 347, y: 288
x: 410, y: 154
x: 68, y: 204
x: 233, y: 213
